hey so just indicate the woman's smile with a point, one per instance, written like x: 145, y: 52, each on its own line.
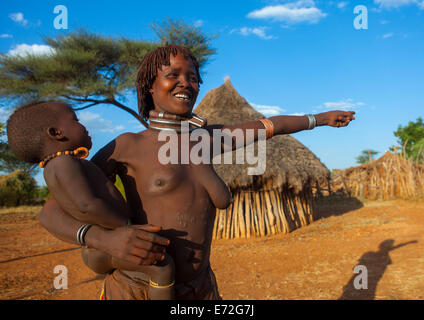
x: 176, y: 86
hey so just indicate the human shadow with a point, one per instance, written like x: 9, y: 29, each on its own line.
x: 376, y: 263
x: 335, y: 205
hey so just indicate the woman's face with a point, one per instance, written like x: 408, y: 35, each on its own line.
x: 176, y: 87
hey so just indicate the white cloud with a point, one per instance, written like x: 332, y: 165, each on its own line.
x: 290, y: 13
x: 387, y: 35
x: 342, y: 4
x: 5, y: 35
x: 34, y: 49
x: 346, y: 105
x: 259, y: 31
x: 388, y: 4
x: 198, y: 23
x: 95, y: 123
x: 5, y: 114
x: 268, y: 111
x: 136, y: 125
x: 18, y: 17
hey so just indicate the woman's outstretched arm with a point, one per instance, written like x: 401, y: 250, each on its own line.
x: 281, y: 125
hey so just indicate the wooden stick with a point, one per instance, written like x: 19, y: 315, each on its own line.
x: 259, y: 213
x: 292, y: 208
x: 276, y: 204
x: 215, y: 225
x: 247, y: 212
x: 255, y: 215
x: 242, y: 214
x: 271, y: 216
x: 228, y: 220
x: 300, y: 212
x: 236, y: 218
x: 221, y: 217
x: 265, y: 214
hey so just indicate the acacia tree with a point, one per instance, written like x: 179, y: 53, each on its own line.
x: 86, y: 69
x: 366, y: 156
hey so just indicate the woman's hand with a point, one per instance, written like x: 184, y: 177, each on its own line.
x: 335, y: 118
x: 137, y: 244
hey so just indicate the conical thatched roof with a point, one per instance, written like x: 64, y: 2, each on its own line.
x: 288, y: 161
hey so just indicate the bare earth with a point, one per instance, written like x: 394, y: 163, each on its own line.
x: 315, y: 262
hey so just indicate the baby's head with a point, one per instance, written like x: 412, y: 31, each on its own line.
x: 39, y: 129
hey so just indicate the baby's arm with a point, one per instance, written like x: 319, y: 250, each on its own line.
x: 68, y: 183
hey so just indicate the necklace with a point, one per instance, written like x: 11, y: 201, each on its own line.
x: 81, y: 152
x: 172, y: 122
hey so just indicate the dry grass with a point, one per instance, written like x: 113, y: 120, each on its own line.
x: 393, y: 176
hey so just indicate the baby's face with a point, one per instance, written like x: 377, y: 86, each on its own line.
x: 72, y: 129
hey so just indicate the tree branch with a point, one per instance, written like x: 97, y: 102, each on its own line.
x: 86, y: 107
x: 132, y: 112
x: 108, y: 101
x: 85, y: 99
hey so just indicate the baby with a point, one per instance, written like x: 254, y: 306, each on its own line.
x: 50, y: 134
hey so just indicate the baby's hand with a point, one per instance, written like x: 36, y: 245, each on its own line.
x: 335, y: 118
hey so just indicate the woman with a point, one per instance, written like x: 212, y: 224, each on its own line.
x: 177, y: 200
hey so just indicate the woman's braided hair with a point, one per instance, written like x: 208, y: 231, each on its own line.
x: 148, y: 71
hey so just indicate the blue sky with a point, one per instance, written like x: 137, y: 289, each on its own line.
x: 284, y: 57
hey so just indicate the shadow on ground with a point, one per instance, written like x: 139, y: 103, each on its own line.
x: 372, y: 265
x: 335, y: 205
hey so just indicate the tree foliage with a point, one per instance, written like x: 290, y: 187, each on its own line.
x: 17, y: 188
x: 366, y: 156
x: 87, y: 69
x: 411, y: 138
x: 170, y: 31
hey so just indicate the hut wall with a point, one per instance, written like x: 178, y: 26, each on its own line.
x: 392, y: 177
x: 264, y: 212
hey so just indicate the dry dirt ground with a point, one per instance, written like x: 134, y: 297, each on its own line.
x: 315, y: 262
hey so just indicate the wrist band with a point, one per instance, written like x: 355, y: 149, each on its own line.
x: 312, y: 121
x: 157, y: 286
x: 81, y: 234
x: 269, y: 127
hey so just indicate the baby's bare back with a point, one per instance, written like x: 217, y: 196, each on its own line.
x: 181, y: 198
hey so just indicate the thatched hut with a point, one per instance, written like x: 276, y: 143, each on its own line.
x: 393, y: 176
x: 280, y: 200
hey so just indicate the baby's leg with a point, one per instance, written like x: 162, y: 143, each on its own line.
x: 161, y: 283
x: 162, y: 279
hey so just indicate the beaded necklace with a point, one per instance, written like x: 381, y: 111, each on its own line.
x: 81, y: 152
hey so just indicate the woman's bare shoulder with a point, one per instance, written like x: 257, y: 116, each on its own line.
x: 130, y: 136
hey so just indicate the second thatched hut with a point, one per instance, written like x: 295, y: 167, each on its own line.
x: 278, y: 201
